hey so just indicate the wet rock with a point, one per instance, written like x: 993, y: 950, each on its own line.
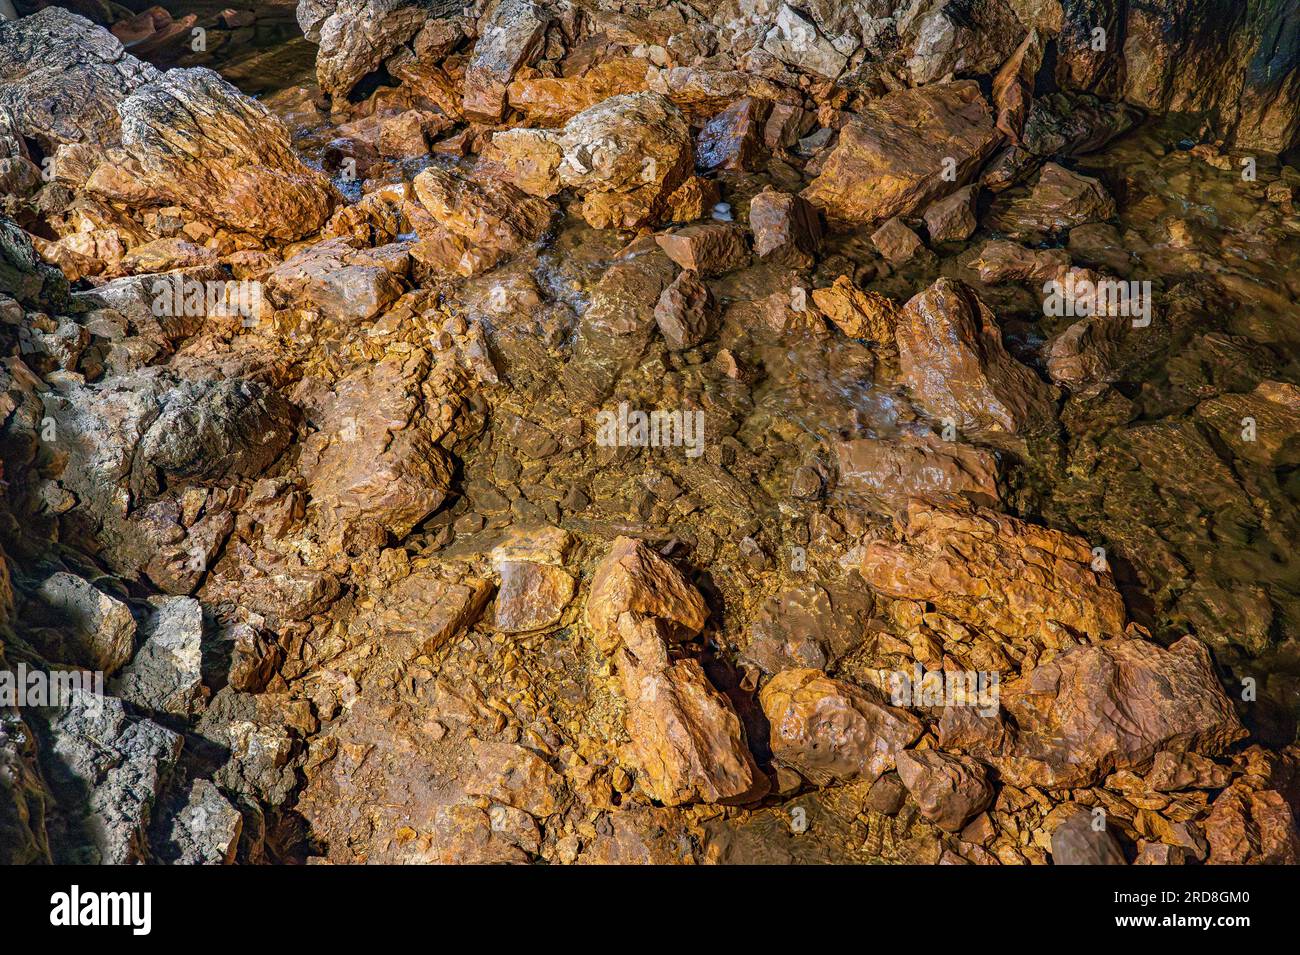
x: 1060, y: 200
x: 904, y: 151
x: 1013, y: 86
x: 510, y: 36
x: 1252, y: 827
x: 997, y: 572
x: 949, y: 790
x: 205, y: 831
x: 891, y: 471
x: 832, y: 731
x: 786, y: 228
x: 633, y: 584
x: 1263, y: 426
x: 1002, y: 261
x: 23, y: 840
x: 64, y: 77
x: 337, y: 280
x: 707, y: 248
x: 105, y: 770
x: 358, y: 35
x: 101, y: 630
x: 193, y: 140
x: 1188, y: 58
x: 1067, y: 124
x: 1095, y: 709
x: 896, y: 242
x: 553, y: 101
x: 1173, y: 771
x: 535, y: 588
x: 1079, y: 841
x: 685, y: 313
x: 166, y: 672
x: 952, y: 219
x: 952, y: 358
x: 858, y: 313
x: 734, y: 138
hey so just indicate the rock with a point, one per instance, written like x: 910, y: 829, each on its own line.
x: 1077, y: 841
x: 952, y: 358
x: 633, y: 584
x: 892, y: 160
x: 206, y: 830
x: 1059, y: 201
x: 105, y: 770
x: 336, y: 280
x: 1188, y: 58
x: 686, y: 741
x: 358, y: 35
x: 101, y: 628
x: 423, y: 612
x: 1256, y: 828
x: 1263, y: 426
x: 998, y: 573
x: 896, y: 242
x: 952, y: 219
x: 1173, y: 771
x: 733, y: 139
x: 474, y: 222
x: 948, y: 790
x: 1087, y: 353
x: 832, y: 731
x: 707, y: 248
x: 166, y: 673
x: 1013, y: 87
x: 797, y: 41
x: 535, y: 588
x: 193, y: 140
x: 510, y: 36
x: 515, y: 776
x: 685, y: 313
x: 63, y: 78
x: 1092, y: 710
x: 786, y: 228
x: 858, y: 313
x: 892, y: 470
x: 553, y: 101
x: 23, y: 797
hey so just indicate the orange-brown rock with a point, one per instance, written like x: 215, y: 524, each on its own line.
x: 339, y: 281
x: 896, y: 242
x: 1252, y: 827
x: 904, y: 151
x: 786, y: 228
x: 1262, y: 426
x: 685, y: 313
x: 553, y: 101
x: 952, y: 218
x: 947, y: 789
x: 1092, y: 710
x: 953, y: 360
x: 1013, y: 86
x: 733, y: 139
x: 892, y: 470
x: 832, y: 731
x: 1000, y: 261
x: 511, y: 35
x: 1060, y: 200
x: 997, y: 572
x: 856, y: 312
x: 707, y: 248
x: 635, y: 582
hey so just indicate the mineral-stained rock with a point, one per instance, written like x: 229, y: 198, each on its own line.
x: 1255, y: 827
x: 952, y: 219
x: 1262, y: 426
x: 193, y: 140
x: 166, y: 672
x: 105, y: 770
x: 734, y: 138
x: 1174, y: 771
x: 952, y: 358
x: 891, y: 470
x: 23, y: 799
x: 947, y: 789
x: 904, y: 151
x: 1225, y: 61
x: 553, y: 101
x: 510, y: 36
x: 205, y: 831
x: 533, y: 593
x: 424, y: 611
x: 858, y: 313
x: 786, y: 228
x: 798, y: 42
x: 1001, y: 261
x: 358, y: 35
x: 1013, y: 87
x: 335, y: 279
x: 63, y: 78
x: 707, y: 248
x: 1095, y: 709
x: 998, y: 572
x: 685, y: 313
x: 896, y: 242
x: 101, y: 628
x: 686, y: 741
x: 833, y: 731
x: 1078, y: 840
x: 634, y: 581
x: 1060, y: 200
x: 1086, y: 353
x: 515, y: 776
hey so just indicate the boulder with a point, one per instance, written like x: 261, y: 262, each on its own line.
x: 205, y: 831
x: 947, y: 789
x: 893, y: 470
x: 1252, y: 827
x: 952, y: 218
x: 166, y: 672
x: 510, y: 36
x: 904, y: 151
x: 896, y: 242
x: 342, y: 283
x: 733, y: 139
x: 632, y: 584
x: 1060, y: 200
x: 685, y: 313
x: 101, y: 630
x: 786, y: 228
x: 856, y: 312
x: 552, y: 101
x: 358, y: 35
x: 707, y: 248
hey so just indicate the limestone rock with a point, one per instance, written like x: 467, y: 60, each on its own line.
x: 102, y: 630
x: 707, y: 248
x: 856, y: 312
x: 1252, y: 827
x: 1077, y: 841
x: 949, y: 790
x: 358, y: 35
x: 553, y: 101
x: 206, y: 830
x: 786, y: 228
x: 733, y: 139
x: 635, y: 582
x: 337, y: 280
x: 685, y: 313
x: 166, y: 672
x: 510, y: 36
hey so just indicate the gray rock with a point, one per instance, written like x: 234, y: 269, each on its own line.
x: 101, y: 628
x: 166, y: 673
x: 205, y: 831
x: 1076, y: 842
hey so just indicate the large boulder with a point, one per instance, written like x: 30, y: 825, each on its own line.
x: 904, y: 151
